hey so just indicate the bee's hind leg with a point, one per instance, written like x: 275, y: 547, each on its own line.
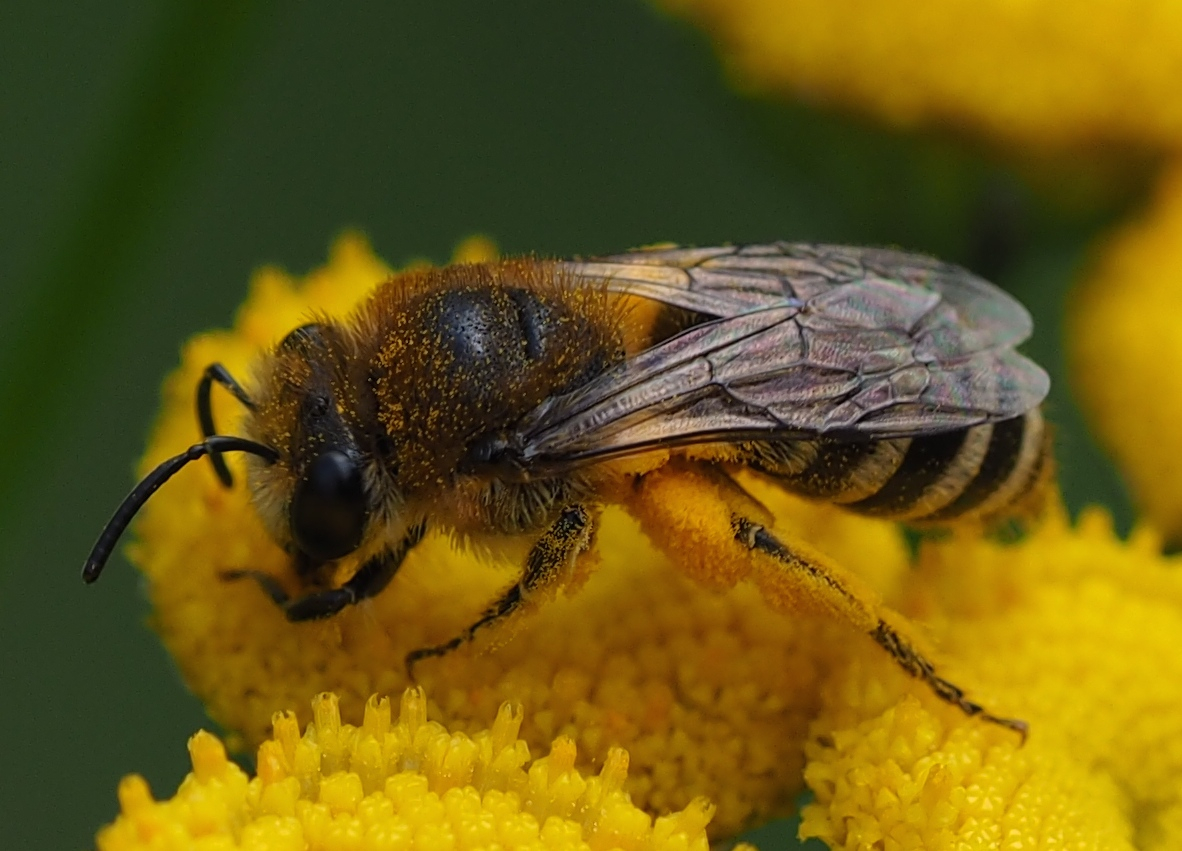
x: 369, y: 580
x: 546, y: 568
x: 697, y: 515
x: 885, y: 634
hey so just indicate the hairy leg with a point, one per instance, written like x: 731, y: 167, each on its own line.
x: 547, y: 567
x: 369, y: 580
x: 719, y: 543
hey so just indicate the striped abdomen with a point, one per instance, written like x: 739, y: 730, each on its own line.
x: 974, y: 473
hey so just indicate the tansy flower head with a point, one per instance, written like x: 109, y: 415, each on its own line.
x: 1032, y: 74
x: 1125, y: 335
x: 714, y: 693
x: 711, y: 693
x: 406, y: 784
x: 1077, y: 630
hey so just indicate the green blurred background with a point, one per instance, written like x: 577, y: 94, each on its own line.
x: 154, y: 154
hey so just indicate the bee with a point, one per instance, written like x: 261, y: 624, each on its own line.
x: 510, y: 401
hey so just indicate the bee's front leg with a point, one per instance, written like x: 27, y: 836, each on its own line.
x: 701, y: 518
x: 215, y: 372
x: 547, y: 567
x: 368, y: 581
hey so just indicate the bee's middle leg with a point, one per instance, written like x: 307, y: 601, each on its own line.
x: 547, y: 566
x: 368, y: 581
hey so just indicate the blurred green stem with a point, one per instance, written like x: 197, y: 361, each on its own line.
x: 169, y: 102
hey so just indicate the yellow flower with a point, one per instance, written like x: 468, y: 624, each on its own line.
x: 715, y: 695
x: 711, y: 693
x: 1125, y: 333
x: 1031, y: 73
x: 1079, y: 632
x: 406, y: 785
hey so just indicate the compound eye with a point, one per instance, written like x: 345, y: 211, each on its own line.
x: 329, y: 510
x: 307, y: 336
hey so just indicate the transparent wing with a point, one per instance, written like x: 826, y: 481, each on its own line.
x: 725, y: 281
x: 809, y: 340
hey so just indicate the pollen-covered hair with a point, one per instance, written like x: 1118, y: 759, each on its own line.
x: 432, y: 398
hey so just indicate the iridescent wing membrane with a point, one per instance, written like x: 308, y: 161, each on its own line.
x: 808, y: 340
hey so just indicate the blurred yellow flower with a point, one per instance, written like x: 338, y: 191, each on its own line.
x: 1125, y: 337
x: 1031, y: 74
x: 710, y: 693
x: 1076, y: 629
x: 402, y: 784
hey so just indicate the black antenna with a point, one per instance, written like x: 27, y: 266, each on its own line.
x: 151, y: 483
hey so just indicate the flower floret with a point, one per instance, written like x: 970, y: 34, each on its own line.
x: 1073, y: 628
x: 407, y: 784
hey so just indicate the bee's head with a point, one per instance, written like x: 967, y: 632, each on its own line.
x: 314, y: 498
x: 313, y: 485
x: 329, y: 510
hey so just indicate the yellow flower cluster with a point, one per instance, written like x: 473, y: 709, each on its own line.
x: 1029, y: 73
x: 715, y: 695
x: 1079, y: 632
x: 1125, y: 334
x: 397, y: 785
x: 710, y: 693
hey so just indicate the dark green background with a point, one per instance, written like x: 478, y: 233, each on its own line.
x: 153, y: 156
